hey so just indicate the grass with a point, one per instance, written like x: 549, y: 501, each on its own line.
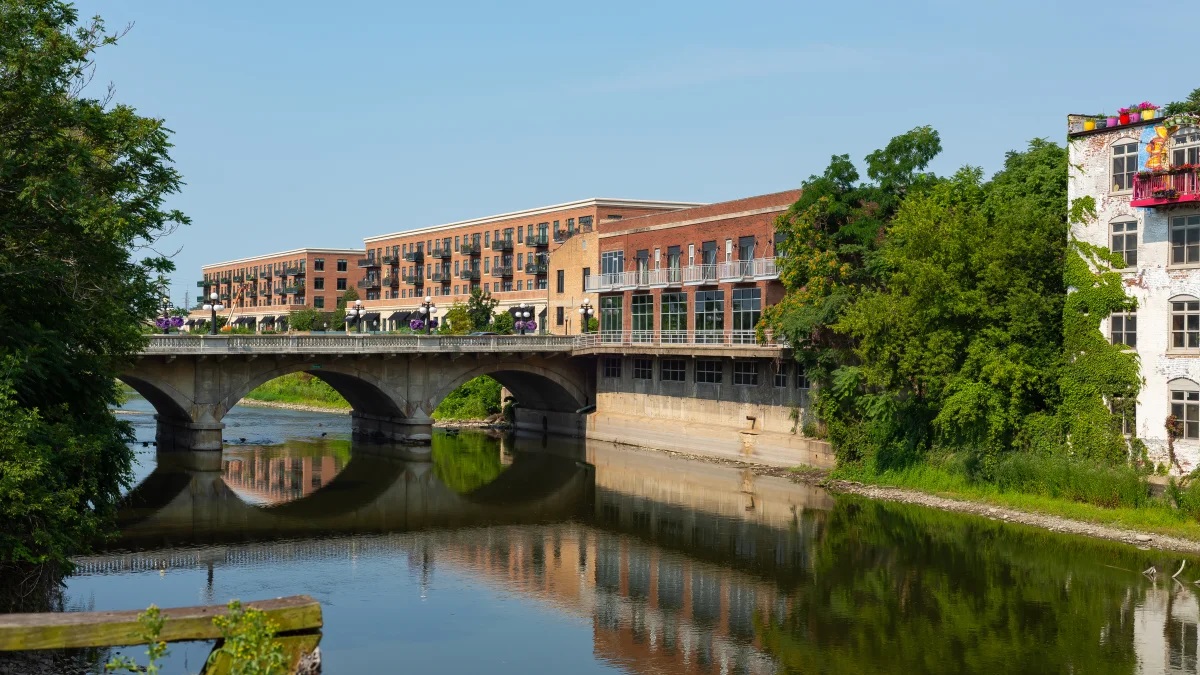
x: 1048, y: 495
x: 300, y: 389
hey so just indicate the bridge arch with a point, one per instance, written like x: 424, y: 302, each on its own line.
x: 362, y: 389
x: 534, y: 386
x: 168, y: 402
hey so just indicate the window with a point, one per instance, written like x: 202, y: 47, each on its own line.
x: 1124, y: 411
x: 1124, y: 166
x: 318, y: 302
x: 801, y: 377
x: 1185, y: 146
x: 611, y: 322
x: 1185, y: 408
x: 641, y: 313
x: 612, y: 366
x: 643, y: 369
x: 1185, y: 323
x: 319, y: 283
x: 612, y: 263
x: 708, y: 372
x: 1124, y: 329
x: 559, y: 316
x: 673, y: 370
x: 710, y: 316
x: 781, y: 375
x: 542, y: 284
x: 1124, y: 241
x: 585, y: 223
x: 747, y: 307
x: 745, y: 373
x: 341, y: 283
x: 318, y: 264
x: 587, y: 274
x: 520, y: 284
x: 1185, y: 240
x: 560, y: 281
x: 341, y: 265
x: 673, y: 323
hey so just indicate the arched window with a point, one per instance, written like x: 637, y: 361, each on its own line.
x: 1185, y: 322
x: 1124, y: 164
x: 1124, y: 237
x: 1185, y: 407
x: 1185, y: 146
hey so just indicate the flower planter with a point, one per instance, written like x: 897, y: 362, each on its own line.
x: 1135, y: 117
x: 1102, y: 123
x: 1124, y: 118
x: 1113, y: 121
x: 1148, y: 114
x: 1088, y: 125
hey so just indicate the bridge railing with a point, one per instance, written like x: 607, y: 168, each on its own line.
x: 353, y: 344
x: 676, y: 338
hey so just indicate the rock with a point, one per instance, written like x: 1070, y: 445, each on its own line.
x: 1143, y: 537
x: 990, y: 511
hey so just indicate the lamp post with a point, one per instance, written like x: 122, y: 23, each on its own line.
x: 428, y: 310
x: 357, y: 312
x: 166, y: 314
x: 585, y: 309
x: 214, y: 307
x: 523, y: 315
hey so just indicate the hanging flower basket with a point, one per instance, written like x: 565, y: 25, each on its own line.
x: 416, y: 324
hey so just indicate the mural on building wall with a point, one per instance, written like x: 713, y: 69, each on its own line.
x: 1152, y: 152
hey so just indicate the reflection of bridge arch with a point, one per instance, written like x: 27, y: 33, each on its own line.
x: 371, y: 494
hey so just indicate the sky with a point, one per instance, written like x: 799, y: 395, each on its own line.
x: 318, y: 123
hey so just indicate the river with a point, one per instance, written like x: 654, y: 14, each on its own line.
x: 520, y: 555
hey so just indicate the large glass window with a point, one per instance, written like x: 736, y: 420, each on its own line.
x: 610, y: 318
x: 1124, y: 328
x: 708, y: 371
x: 612, y: 264
x: 1185, y: 146
x: 1124, y: 241
x: 1185, y: 240
x: 673, y: 370
x: 673, y: 325
x: 1124, y: 166
x: 745, y: 373
x: 641, y: 313
x: 747, y: 308
x: 1185, y: 323
x: 710, y: 316
x: 674, y: 262
x: 1185, y: 408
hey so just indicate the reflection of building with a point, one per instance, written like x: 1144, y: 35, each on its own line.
x: 268, y: 477
x: 1165, y: 631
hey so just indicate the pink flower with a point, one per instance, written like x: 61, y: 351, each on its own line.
x: 1123, y: 111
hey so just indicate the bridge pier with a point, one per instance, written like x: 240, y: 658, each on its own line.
x: 550, y: 421
x: 175, y: 435
x: 377, y: 428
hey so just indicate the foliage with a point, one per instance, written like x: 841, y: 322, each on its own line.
x: 308, y: 319
x: 152, y: 625
x: 82, y: 186
x: 338, y: 318
x: 467, y: 461
x: 249, y: 642
x: 457, y: 321
x: 1189, y: 105
x: 503, y: 323
x: 476, y: 399
x: 593, y: 325
x: 480, y: 306
x: 301, y: 388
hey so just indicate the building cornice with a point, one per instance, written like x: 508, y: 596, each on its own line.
x: 293, y: 252
x: 697, y: 221
x: 541, y: 210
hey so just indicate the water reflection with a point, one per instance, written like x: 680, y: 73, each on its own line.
x: 659, y: 565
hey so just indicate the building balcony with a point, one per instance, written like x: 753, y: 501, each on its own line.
x: 748, y: 270
x: 697, y: 275
x: 368, y: 262
x: 268, y: 274
x: 502, y: 245
x: 293, y: 289
x: 225, y: 296
x: 392, y: 281
x: 390, y: 259
x: 414, y: 279
x: 1174, y: 186
x: 540, y: 240
x: 292, y: 270
x: 441, y: 276
x: 563, y: 235
x: 469, y: 274
x: 441, y: 253
x: 540, y: 269
x: 369, y: 283
x: 415, y: 256
x: 239, y: 278
x: 469, y: 249
x: 502, y: 271
x: 279, y: 290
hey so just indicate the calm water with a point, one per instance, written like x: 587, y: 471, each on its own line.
x: 528, y: 555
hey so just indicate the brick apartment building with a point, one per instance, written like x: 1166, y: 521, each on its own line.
x: 697, y: 275
x: 259, y: 292
x: 514, y: 256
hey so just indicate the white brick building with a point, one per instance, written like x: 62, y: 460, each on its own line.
x: 1144, y: 180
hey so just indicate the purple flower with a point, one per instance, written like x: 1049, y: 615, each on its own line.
x: 416, y: 324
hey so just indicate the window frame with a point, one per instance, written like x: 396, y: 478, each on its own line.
x: 1184, y: 222
x: 706, y: 374
x: 745, y: 373
x: 1124, y: 326
x: 1126, y: 156
x: 643, y: 369
x: 1185, y: 332
x: 1125, y: 233
x: 1188, y: 402
x: 668, y: 372
x: 610, y: 367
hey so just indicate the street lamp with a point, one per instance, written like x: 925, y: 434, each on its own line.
x: 166, y: 314
x: 214, y: 307
x: 428, y: 310
x: 585, y: 309
x: 357, y: 312
x: 523, y: 315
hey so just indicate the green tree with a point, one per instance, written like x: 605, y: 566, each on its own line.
x: 503, y: 323
x: 1191, y: 105
x: 338, y: 319
x: 82, y: 186
x: 304, y: 319
x: 480, y: 306
x: 457, y: 321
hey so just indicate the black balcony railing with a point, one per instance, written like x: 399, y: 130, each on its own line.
x: 279, y: 290
x: 440, y: 253
x: 471, y: 248
x: 391, y: 259
x: 563, y: 235
x: 368, y: 262
x: 441, y: 276
x: 502, y: 271
x: 293, y: 289
x: 539, y: 240
x: 297, y: 272
x: 268, y: 274
x: 392, y: 281
x: 469, y: 274
x: 369, y: 282
x: 414, y: 279
x: 540, y: 269
x: 502, y: 245
x: 239, y: 278
x: 292, y: 270
x: 415, y: 256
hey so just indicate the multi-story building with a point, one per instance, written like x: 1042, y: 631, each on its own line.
x: 697, y: 275
x: 1145, y: 179
x: 510, y: 255
x: 259, y: 292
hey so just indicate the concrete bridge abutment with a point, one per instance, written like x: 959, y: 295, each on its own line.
x: 389, y: 429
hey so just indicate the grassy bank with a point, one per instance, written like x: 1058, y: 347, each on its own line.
x: 1117, y: 497
x: 475, y: 400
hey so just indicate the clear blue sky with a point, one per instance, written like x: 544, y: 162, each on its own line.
x: 316, y: 123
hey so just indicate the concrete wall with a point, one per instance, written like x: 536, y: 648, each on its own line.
x: 761, y: 423
x: 1153, y: 282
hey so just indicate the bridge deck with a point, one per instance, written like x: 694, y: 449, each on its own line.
x: 355, y: 344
